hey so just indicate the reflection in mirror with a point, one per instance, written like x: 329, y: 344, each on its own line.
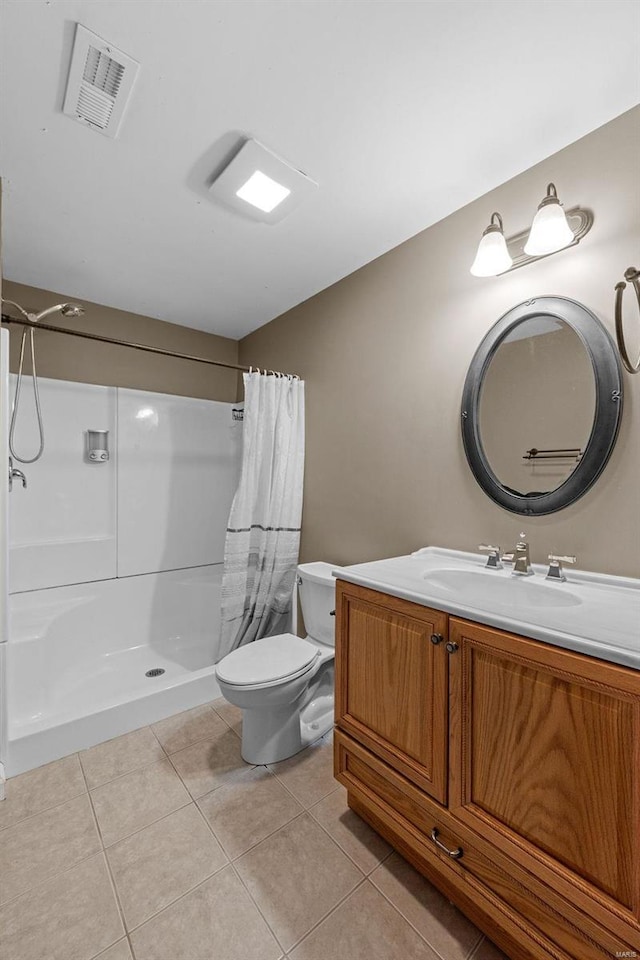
x: 538, y: 394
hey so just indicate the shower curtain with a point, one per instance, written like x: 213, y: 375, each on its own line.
x: 263, y: 534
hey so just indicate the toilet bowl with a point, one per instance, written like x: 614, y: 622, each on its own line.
x: 284, y: 684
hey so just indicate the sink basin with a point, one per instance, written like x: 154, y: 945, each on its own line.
x: 495, y: 588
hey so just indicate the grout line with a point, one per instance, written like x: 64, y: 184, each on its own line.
x: 166, y: 906
x: 171, y: 903
x: 108, y: 865
x: 237, y: 874
x: 150, y: 824
x: 106, y: 950
x: 232, y: 778
x: 112, y: 878
x: 54, y: 876
x: 121, y: 776
x: 476, y: 949
x: 339, y: 845
x: 266, y: 837
x: 257, y: 906
x: 421, y: 935
x: 32, y: 816
x: 333, y: 909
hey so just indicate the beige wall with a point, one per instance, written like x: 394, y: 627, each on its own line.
x: 69, y: 358
x: 384, y: 354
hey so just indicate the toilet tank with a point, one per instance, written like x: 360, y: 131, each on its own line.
x: 317, y: 589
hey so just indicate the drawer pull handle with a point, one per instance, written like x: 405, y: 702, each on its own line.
x: 454, y: 854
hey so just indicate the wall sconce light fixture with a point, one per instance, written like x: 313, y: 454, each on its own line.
x: 492, y: 256
x: 549, y: 230
x: 552, y: 230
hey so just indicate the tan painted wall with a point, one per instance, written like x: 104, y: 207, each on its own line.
x: 385, y: 352
x: 68, y: 358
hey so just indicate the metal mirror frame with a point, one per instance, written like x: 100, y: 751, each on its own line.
x: 607, y: 373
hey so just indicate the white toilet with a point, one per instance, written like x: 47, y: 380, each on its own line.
x: 285, y: 685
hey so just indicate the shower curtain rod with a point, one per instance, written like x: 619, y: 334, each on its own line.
x: 134, y: 346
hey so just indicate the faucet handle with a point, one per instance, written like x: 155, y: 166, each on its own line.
x: 555, y: 571
x: 494, y: 559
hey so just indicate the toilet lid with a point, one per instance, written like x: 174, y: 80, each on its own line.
x: 267, y: 660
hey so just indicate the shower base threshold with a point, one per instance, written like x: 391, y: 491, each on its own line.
x: 107, y: 704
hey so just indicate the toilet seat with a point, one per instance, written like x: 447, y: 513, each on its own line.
x: 267, y: 661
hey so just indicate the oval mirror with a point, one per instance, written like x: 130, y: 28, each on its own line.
x: 541, y: 405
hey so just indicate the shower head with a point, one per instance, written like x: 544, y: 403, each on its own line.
x: 72, y: 310
x: 66, y: 309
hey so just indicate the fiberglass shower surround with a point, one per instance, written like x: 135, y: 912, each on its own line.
x: 115, y: 567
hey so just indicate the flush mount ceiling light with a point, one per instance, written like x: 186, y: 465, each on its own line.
x: 263, y: 192
x: 493, y: 256
x: 551, y: 230
x: 260, y: 184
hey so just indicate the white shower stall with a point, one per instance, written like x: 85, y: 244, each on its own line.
x: 114, y: 565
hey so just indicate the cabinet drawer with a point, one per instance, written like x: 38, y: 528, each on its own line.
x: 526, y: 918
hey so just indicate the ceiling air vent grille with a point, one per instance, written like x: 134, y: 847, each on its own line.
x: 100, y: 81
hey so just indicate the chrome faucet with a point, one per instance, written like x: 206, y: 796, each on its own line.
x: 494, y: 560
x: 555, y: 567
x: 520, y: 559
x: 15, y: 474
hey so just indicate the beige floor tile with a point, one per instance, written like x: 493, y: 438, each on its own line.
x: 206, y: 765
x: 488, y: 951
x: 119, y: 951
x: 215, y: 920
x: 119, y: 756
x: 364, y: 845
x: 296, y: 876
x: 308, y: 775
x: 231, y: 714
x: 37, y: 790
x: 246, y: 811
x: 36, y: 849
x: 137, y: 799
x: 74, y: 916
x: 176, y: 733
x: 364, y: 927
x: 438, y: 921
x: 157, y: 865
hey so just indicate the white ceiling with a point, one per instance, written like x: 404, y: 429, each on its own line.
x: 401, y: 111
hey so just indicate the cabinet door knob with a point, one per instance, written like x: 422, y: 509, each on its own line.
x: 454, y: 854
x: 436, y: 638
x: 452, y: 647
x: 332, y: 613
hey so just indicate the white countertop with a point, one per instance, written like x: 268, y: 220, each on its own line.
x: 594, y: 614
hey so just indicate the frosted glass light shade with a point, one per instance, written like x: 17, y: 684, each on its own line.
x: 493, y: 256
x: 549, y: 231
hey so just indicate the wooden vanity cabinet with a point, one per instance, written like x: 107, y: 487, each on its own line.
x: 539, y: 805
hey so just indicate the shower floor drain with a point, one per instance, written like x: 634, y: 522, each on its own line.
x: 156, y: 672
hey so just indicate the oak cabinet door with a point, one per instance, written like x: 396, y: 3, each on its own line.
x: 545, y: 764
x: 391, y: 682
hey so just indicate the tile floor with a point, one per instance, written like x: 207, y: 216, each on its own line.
x: 164, y: 845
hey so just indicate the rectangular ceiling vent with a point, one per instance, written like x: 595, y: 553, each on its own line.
x: 100, y: 82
